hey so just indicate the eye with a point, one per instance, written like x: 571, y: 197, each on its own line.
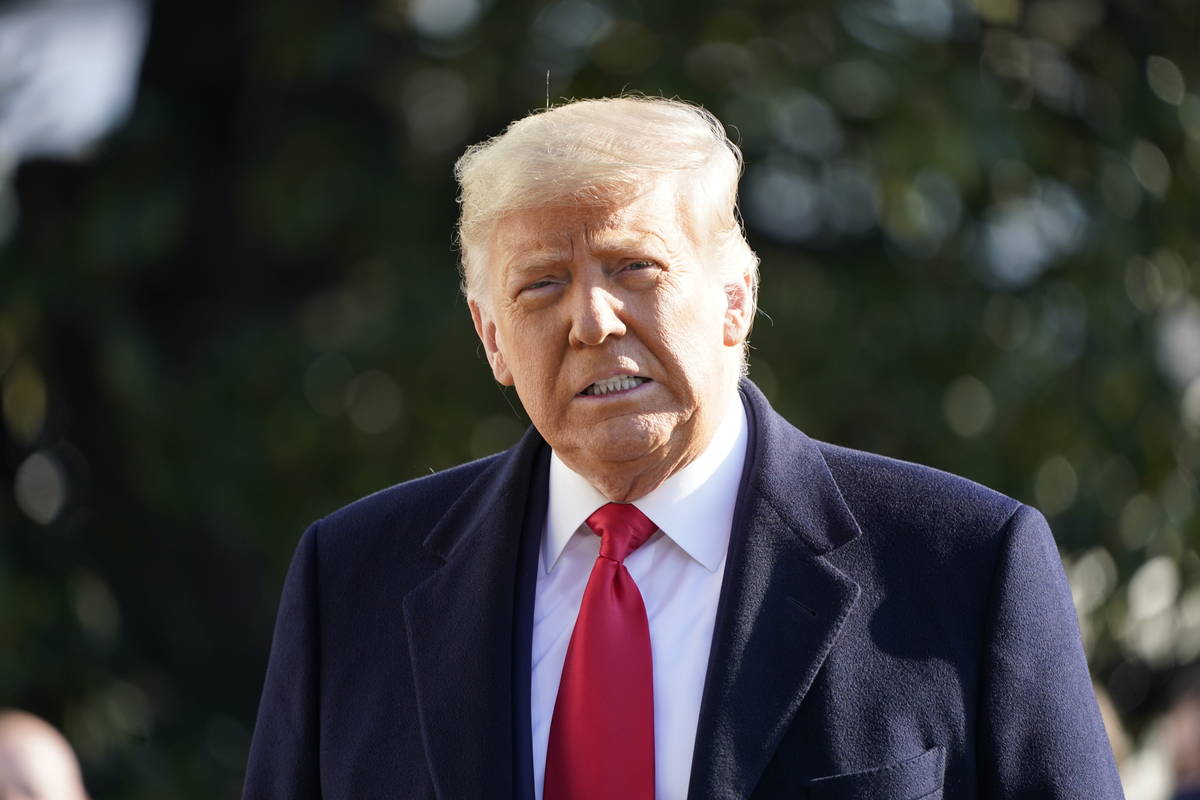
x: 539, y: 286
x: 641, y: 264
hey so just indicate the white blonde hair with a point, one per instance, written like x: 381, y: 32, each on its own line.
x: 598, y: 151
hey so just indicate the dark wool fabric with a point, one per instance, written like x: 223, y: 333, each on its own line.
x: 885, y: 630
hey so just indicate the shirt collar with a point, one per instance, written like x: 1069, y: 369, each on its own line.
x: 694, y: 507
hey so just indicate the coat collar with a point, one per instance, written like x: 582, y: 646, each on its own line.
x: 782, y: 603
x: 460, y: 624
x: 788, y: 472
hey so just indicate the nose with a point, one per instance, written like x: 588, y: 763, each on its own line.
x: 595, y: 316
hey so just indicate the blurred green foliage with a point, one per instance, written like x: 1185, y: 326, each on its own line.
x: 979, y: 240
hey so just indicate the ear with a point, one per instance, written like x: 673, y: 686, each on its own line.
x: 486, y: 328
x: 739, y: 311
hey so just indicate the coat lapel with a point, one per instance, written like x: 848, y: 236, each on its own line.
x: 460, y: 631
x: 782, y: 604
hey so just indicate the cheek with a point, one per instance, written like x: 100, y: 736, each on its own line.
x: 533, y: 349
x: 692, y: 334
x: 512, y: 335
x: 703, y: 315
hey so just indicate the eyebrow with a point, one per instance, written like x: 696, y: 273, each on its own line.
x: 546, y: 255
x: 608, y: 242
x: 529, y: 266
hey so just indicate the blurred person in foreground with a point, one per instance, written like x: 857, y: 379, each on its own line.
x: 1183, y: 736
x: 663, y: 589
x: 36, y: 762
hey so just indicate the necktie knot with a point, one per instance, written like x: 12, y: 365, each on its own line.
x: 621, y: 528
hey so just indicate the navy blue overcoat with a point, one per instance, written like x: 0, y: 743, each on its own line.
x: 885, y: 630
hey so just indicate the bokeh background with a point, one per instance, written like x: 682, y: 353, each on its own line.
x: 237, y: 309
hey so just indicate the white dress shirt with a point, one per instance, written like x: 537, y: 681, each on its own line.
x: 678, y: 572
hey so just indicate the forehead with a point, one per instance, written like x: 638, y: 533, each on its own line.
x: 654, y: 218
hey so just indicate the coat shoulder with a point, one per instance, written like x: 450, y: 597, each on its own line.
x: 403, y: 513
x: 886, y: 491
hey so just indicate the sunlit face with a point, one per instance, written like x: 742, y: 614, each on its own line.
x: 622, y: 342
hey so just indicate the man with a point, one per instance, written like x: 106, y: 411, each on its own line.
x: 664, y: 589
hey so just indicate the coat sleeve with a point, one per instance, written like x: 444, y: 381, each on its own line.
x: 284, y: 753
x: 1041, y: 734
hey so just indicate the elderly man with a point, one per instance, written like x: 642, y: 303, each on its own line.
x: 664, y: 589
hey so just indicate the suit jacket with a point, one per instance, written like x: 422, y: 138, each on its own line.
x: 884, y: 630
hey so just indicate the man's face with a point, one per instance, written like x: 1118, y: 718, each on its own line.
x: 622, y: 342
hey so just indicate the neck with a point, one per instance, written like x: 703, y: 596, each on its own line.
x: 624, y: 483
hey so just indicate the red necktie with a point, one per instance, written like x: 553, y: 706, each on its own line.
x: 602, y: 733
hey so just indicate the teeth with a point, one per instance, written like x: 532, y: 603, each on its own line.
x: 617, y: 384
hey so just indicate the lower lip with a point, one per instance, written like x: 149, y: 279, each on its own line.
x: 619, y: 393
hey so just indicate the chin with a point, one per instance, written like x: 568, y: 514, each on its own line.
x: 627, y: 438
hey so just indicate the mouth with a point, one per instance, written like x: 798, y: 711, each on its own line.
x: 614, y: 385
